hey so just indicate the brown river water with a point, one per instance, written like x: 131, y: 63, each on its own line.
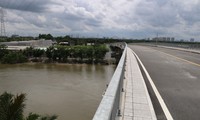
x: 73, y: 92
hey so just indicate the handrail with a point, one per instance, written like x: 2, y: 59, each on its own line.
x: 109, y: 106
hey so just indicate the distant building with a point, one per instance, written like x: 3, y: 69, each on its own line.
x: 69, y: 43
x: 192, y: 40
x: 166, y: 39
x: 15, y: 36
x: 172, y: 39
x: 90, y: 44
x: 160, y: 39
x: 20, y: 45
x: 64, y: 43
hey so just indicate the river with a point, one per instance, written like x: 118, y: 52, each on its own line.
x: 73, y: 92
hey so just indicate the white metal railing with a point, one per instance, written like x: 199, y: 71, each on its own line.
x: 109, y: 106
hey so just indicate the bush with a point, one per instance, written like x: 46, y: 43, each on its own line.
x: 38, y: 53
x: 13, y: 58
x: 28, y: 52
x: 100, y: 52
x: 3, y: 51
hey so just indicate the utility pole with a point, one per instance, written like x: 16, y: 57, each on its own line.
x: 3, y: 29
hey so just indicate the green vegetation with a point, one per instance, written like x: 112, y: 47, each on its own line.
x: 3, y: 51
x: 12, y: 108
x: 72, y: 50
x: 20, y: 38
x: 45, y: 36
x: 64, y: 54
x: 13, y: 58
x: 31, y: 52
x: 84, y: 41
x: 77, y: 54
x: 96, y: 41
x: 67, y: 38
x: 8, y: 57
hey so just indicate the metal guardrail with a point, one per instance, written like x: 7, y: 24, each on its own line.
x: 109, y: 106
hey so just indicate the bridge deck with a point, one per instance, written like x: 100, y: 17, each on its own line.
x: 181, y: 49
x: 137, y: 104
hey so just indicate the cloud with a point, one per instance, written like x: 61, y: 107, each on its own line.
x: 123, y: 18
x: 156, y: 14
x: 26, y: 5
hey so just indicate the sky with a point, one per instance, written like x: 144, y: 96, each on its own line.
x: 104, y: 18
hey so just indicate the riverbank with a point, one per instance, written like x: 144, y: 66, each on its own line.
x: 58, y: 54
x: 107, y: 61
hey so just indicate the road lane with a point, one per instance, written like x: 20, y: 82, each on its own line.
x: 194, y: 57
x: 178, y: 81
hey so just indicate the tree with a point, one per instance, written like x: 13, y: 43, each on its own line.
x: 45, y: 36
x: 12, y: 108
x: 32, y: 116
x: 28, y: 52
x: 54, y: 117
x: 62, y: 53
x: 49, y: 52
x: 90, y: 53
x: 78, y: 52
x: 49, y: 37
x: 38, y: 52
x: 100, y: 52
x: 67, y: 37
x: 3, y: 51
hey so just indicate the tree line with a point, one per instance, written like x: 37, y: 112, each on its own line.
x: 58, y: 53
x: 67, y: 38
x: 80, y: 53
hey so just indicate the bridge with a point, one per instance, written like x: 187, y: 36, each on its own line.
x: 153, y: 82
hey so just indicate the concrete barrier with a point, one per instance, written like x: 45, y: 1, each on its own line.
x: 109, y: 106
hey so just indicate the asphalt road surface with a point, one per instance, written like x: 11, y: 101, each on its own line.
x: 176, y: 75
